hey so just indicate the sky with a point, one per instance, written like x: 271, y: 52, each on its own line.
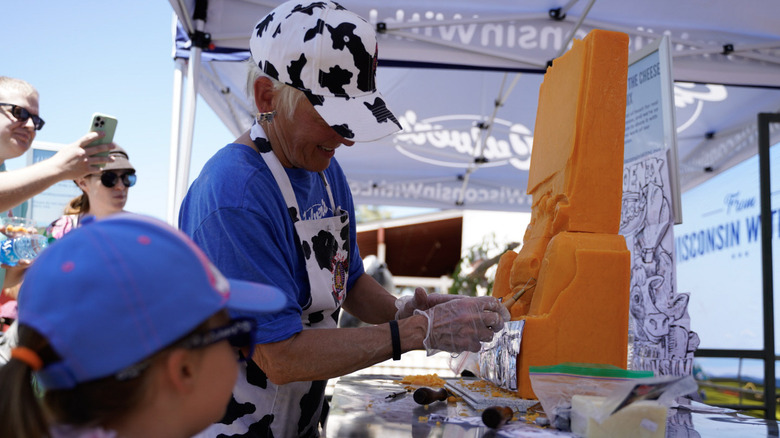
x: 109, y: 57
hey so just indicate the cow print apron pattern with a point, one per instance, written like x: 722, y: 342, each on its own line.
x: 259, y: 407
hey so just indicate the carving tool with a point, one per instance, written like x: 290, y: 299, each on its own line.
x: 516, y: 296
x: 496, y: 416
x: 426, y: 396
x: 396, y: 395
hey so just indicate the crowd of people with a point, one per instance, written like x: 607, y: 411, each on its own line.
x: 129, y: 327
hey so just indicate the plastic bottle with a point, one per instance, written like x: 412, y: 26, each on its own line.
x: 25, y: 247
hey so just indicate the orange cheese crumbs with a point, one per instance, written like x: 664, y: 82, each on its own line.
x: 422, y: 419
x: 485, y: 387
x: 430, y: 380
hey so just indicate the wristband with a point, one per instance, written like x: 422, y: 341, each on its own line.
x: 396, y: 339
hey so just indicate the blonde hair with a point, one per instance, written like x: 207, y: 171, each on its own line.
x: 287, y: 97
x: 8, y: 83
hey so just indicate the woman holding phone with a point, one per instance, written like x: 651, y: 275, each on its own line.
x: 103, y: 193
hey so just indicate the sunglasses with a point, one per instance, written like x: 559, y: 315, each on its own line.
x: 22, y: 114
x: 239, y: 333
x: 109, y: 179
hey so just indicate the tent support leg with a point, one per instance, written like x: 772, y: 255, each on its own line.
x: 188, y: 126
x: 770, y: 397
x: 178, y: 82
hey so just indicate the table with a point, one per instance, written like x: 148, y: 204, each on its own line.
x: 360, y: 408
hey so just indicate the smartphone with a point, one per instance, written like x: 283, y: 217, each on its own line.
x: 103, y: 123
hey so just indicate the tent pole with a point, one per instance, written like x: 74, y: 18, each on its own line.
x: 770, y: 396
x: 487, y: 130
x: 577, y: 25
x: 188, y: 126
x: 178, y: 81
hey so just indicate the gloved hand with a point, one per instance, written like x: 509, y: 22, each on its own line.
x: 421, y: 300
x: 460, y: 325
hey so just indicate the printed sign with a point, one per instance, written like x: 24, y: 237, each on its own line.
x: 661, y: 338
x: 50, y: 204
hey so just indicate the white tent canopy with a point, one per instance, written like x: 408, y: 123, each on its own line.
x: 463, y: 78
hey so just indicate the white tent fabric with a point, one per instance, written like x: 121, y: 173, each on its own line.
x: 463, y: 77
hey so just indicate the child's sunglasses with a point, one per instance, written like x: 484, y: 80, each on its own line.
x: 22, y: 114
x: 239, y: 332
x: 109, y: 179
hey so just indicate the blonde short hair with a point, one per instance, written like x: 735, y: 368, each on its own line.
x: 287, y: 97
x: 8, y: 83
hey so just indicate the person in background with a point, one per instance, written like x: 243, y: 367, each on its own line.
x: 19, y: 123
x: 124, y: 325
x: 103, y: 193
x: 275, y: 207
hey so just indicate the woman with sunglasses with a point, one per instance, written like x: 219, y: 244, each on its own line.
x: 103, y: 194
x: 162, y: 364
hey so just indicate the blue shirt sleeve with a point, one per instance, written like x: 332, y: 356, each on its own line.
x: 245, y: 246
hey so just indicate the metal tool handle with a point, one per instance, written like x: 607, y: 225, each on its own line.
x: 426, y: 396
x: 516, y: 296
x: 495, y: 416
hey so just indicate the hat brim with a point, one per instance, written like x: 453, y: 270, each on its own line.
x: 246, y: 296
x: 119, y: 163
x: 364, y: 118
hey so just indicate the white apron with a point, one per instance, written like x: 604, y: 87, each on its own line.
x: 260, y: 408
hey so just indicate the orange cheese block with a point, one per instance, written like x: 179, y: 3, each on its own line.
x: 585, y: 317
x: 562, y: 251
x: 577, y: 160
x: 501, y: 283
x: 577, y: 155
x: 578, y: 310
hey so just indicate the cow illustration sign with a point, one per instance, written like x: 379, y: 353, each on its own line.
x: 660, y: 336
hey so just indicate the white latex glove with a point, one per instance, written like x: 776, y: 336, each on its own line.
x: 420, y: 300
x: 460, y: 325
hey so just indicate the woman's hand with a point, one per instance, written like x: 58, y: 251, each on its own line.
x: 421, y: 300
x: 461, y: 325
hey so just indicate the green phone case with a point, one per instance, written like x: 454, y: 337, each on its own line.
x: 103, y: 123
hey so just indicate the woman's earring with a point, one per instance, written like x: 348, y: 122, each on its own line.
x: 265, y: 117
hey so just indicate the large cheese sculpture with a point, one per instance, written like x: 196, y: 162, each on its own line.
x: 573, y: 264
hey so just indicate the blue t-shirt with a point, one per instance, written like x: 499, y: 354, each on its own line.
x: 236, y: 213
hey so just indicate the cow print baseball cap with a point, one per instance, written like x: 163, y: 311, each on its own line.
x: 330, y: 54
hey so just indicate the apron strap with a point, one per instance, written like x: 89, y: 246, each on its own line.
x: 277, y: 170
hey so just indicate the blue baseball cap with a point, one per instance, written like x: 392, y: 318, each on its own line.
x: 115, y: 291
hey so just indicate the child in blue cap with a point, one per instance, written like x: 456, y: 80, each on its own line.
x: 124, y: 324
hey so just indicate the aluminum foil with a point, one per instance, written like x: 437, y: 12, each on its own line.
x: 498, y: 358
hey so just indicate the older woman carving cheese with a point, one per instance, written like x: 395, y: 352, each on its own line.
x: 275, y: 205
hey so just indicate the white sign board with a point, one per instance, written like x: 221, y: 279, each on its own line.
x: 50, y: 204
x: 662, y: 341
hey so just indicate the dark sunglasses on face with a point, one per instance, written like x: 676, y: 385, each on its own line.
x: 109, y: 179
x: 239, y: 332
x: 22, y: 114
